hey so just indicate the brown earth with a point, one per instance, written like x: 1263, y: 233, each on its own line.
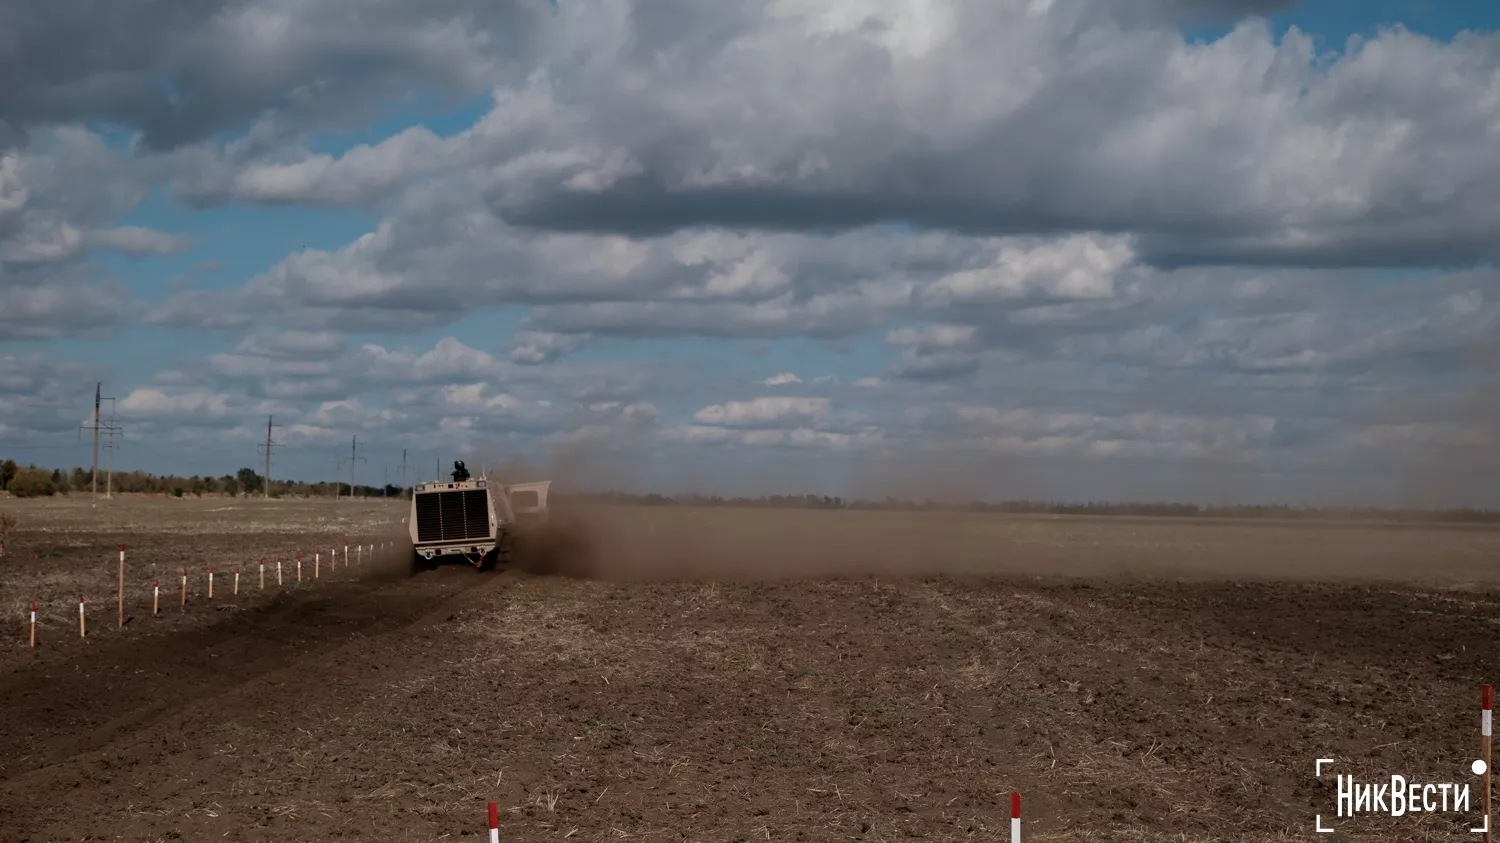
x: 744, y: 675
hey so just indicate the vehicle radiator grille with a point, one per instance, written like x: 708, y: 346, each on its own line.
x: 453, y: 516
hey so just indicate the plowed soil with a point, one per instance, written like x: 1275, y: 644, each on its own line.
x: 739, y: 675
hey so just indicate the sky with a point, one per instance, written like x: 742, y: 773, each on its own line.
x: 1209, y: 250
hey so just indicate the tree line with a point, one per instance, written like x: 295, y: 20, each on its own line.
x: 31, y: 481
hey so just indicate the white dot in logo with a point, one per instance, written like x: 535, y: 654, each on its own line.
x: 1478, y: 767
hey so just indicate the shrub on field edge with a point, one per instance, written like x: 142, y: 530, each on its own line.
x: 7, y: 526
x: 32, y: 483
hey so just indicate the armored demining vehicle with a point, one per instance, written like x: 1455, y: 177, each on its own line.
x: 475, y: 519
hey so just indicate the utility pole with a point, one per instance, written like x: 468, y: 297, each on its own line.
x: 97, y: 386
x: 95, y: 427
x: 266, y: 481
x: 353, y: 458
x: 111, y: 429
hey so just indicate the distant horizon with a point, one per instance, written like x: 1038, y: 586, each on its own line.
x: 1144, y: 507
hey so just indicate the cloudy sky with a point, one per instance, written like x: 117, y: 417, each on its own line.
x: 1188, y: 249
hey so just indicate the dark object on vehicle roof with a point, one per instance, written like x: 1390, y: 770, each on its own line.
x: 475, y: 519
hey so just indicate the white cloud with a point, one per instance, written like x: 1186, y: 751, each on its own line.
x: 43, y: 240
x: 60, y: 306
x: 796, y: 437
x: 180, y: 406
x: 781, y: 379
x: 933, y: 337
x: 298, y: 344
x: 477, y: 397
x: 449, y: 359
x: 768, y: 410
x: 536, y: 347
x: 1083, y: 266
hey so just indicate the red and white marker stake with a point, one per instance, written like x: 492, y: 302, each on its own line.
x: 156, y: 598
x: 236, y: 581
x: 299, y: 567
x: 262, y: 575
x: 317, y: 563
x: 360, y: 557
x: 1486, y: 716
x: 494, y: 823
x: 33, y: 624
x: 82, y: 630
x: 1015, y: 817
x: 210, y: 583
x: 122, y: 585
x: 184, y: 586
x: 278, y: 570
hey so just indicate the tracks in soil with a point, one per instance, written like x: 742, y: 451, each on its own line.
x: 73, y: 701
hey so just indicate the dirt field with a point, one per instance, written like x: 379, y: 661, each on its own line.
x: 740, y: 675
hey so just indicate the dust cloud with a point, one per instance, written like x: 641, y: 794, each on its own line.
x: 618, y: 542
x: 742, y: 544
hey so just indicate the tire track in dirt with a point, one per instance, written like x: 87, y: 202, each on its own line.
x: 66, y: 706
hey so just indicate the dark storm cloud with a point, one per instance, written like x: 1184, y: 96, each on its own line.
x: 182, y: 70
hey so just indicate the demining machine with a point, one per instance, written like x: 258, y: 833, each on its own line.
x: 472, y: 518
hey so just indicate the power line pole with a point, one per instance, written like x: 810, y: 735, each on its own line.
x: 97, y: 387
x: 95, y: 427
x: 266, y: 481
x: 111, y: 429
x: 353, y: 458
